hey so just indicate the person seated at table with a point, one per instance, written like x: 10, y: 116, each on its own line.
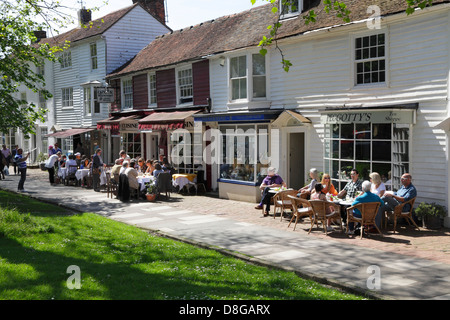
x: 132, y: 175
x: 378, y: 186
x: 62, y: 161
x: 71, y: 162
x: 141, y: 167
x: 149, y: 167
x: 306, y: 191
x: 272, y: 180
x: 85, y: 164
x: 367, y: 196
x: 125, y: 165
x: 78, y: 159
x: 406, y: 192
x: 115, y: 170
x: 158, y: 170
x: 328, y: 187
x: 319, y: 194
x: 352, y: 187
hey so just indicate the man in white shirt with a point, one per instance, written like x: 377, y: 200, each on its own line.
x: 50, y: 165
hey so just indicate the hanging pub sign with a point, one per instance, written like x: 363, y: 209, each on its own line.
x: 105, y: 95
x: 366, y: 116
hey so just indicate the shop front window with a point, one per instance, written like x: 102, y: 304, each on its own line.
x: 244, y: 152
x: 368, y: 147
x: 132, y: 144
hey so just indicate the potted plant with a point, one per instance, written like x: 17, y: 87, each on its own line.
x: 431, y: 214
x: 151, y: 191
x: 41, y: 158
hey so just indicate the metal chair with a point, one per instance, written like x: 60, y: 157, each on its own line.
x: 368, y: 211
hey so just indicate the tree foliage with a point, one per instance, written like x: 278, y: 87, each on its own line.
x: 20, y: 57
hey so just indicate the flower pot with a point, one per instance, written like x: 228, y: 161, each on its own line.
x: 432, y: 222
x: 151, y: 196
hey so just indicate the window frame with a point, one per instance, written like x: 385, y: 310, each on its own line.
x: 152, y: 94
x: 66, y: 60
x: 189, y: 86
x: 290, y: 13
x: 127, y: 94
x: 93, y: 57
x: 249, y: 77
x: 64, y: 95
x: 354, y: 66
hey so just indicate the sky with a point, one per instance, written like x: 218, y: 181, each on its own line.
x: 181, y: 13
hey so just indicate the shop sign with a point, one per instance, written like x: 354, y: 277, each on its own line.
x: 105, y: 95
x: 129, y: 126
x: 366, y: 116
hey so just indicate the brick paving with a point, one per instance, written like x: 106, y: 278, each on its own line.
x: 428, y: 244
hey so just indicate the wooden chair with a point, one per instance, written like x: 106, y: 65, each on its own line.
x: 283, y: 201
x: 319, y: 208
x: 368, y: 211
x: 300, y: 208
x: 399, y: 213
x: 111, y: 186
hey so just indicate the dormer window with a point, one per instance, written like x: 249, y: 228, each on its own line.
x: 290, y: 8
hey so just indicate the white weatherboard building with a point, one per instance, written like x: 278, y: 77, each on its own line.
x: 375, y: 99
x: 77, y: 78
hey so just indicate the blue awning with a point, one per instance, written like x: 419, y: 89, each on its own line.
x: 261, y: 116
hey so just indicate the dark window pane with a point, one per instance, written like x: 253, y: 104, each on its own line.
x: 358, y: 43
x: 366, y: 53
x: 360, y: 78
x: 381, y: 39
x: 381, y: 51
x: 347, y: 131
x: 347, y: 149
x: 365, y: 41
x: 382, y: 76
x: 362, y: 150
x: 335, y: 150
x: 358, y: 55
x: 363, y: 170
x: 335, y: 128
x: 373, y: 52
x: 362, y: 131
x: 381, y: 150
x: 373, y: 40
x: 360, y: 67
x: 374, y: 77
x: 382, y: 131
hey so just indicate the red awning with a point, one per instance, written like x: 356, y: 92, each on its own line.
x: 69, y: 132
x: 113, y: 123
x: 165, y: 120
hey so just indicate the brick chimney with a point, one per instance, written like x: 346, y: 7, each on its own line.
x: 84, y: 16
x: 155, y: 7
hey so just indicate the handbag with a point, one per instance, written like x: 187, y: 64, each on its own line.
x: 95, y: 171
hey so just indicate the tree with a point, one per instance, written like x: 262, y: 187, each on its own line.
x: 339, y: 8
x: 21, y: 55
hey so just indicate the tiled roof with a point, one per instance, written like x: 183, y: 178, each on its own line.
x: 241, y: 30
x: 98, y: 27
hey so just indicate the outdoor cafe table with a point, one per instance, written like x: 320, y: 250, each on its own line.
x: 143, y: 180
x: 62, y: 172
x: 82, y: 173
x: 182, y: 179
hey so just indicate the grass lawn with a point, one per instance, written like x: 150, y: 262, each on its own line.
x: 39, y: 242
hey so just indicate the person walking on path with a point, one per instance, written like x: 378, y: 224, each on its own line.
x: 13, y: 158
x: 21, y: 162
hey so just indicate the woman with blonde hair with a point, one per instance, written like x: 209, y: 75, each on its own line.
x: 328, y: 187
x: 378, y: 186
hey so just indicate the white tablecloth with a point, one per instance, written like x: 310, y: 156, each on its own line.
x: 181, y: 181
x: 62, y: 173
x: 143, y: 180
x: 81, y: 173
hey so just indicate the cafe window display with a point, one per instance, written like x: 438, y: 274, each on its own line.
x: 368, y: 147
x: 132, y: 144
x: 244, y: 152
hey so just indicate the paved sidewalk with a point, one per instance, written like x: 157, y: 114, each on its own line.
x: 412, y: 264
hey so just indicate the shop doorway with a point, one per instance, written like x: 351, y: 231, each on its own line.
x: 152, y: 142
x: 296, y: 160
